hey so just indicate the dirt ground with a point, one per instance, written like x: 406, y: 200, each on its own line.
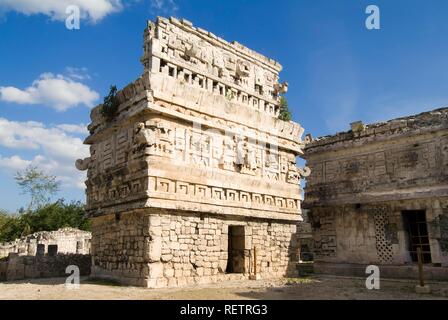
x: 316, y: 287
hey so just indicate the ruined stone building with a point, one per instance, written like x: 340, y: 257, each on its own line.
x: 377, y: 193
x: 194, y: 172
x: 45, y: 254
x: 65, y: 240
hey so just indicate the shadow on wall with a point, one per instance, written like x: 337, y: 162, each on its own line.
x: 16, y: 267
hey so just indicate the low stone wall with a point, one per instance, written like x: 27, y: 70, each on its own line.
x: 28, y: 267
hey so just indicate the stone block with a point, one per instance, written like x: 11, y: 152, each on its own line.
x: 155, y: 270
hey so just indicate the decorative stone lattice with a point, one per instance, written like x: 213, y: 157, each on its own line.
x: 383, y: 247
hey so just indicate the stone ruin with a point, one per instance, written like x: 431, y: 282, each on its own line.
x: 64, y: 241
x: 194, y: 178
x: 377, y: 193
x: 45, y: 254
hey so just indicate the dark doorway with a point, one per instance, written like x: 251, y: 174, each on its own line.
x: 417, y: 233
x: 52, y: 250
x: 79, y: 247
x: 40, y: 251
x: 235, y: 261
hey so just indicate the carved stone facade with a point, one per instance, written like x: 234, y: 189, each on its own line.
x: 196, y: 138
x: 378, y: 192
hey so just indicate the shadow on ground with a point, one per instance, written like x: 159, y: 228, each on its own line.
x: 316, y: 287
x: 345, y: 288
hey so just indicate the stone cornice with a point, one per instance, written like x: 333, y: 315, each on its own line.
x: 427, y: 122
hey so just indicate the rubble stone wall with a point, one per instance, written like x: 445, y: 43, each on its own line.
x: 162, y: 248
x: 17, y: 267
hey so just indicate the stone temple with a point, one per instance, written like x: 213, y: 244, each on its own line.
x: 379, y: 192
x: 194, y: 179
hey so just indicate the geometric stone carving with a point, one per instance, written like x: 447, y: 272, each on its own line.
x: 384, y: 185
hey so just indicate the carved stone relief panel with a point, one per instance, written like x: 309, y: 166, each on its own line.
x: 215, y: 149
x: 181, y: 49
x: 393, y: 167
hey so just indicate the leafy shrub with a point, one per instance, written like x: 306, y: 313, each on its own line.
x: 110, y: 105
x: 284, y: 114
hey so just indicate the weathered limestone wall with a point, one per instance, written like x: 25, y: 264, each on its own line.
x: 367, y: 182
x: 67, y: 240
x: 162, y: 248
x: 28, y: 267
x: 375, y: 233
x: 306, y: 238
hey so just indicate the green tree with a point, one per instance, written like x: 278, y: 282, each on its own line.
x: 47, y: 217
x: 3, y: 218
x: 38, y: 185
x: 58, y: 215
x: 10, y: 227
x: 284, y: 114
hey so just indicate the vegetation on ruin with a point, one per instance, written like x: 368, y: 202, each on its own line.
x: 110, y: 104
x: 230, y: 95
x: 284, y: 114
x: 41, y: 214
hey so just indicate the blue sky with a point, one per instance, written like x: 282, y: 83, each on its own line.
x: 338, y: 71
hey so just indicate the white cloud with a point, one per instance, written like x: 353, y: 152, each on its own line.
x: 74, y: 128
x: 57, y: 91
x: 13, y: 163
x: 164, y: 6
x: 55, y: 149
x: 92, y: 10
x: 78, y: 73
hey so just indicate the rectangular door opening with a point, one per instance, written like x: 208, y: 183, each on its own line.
x: 235, y: 261
x: 417, y: 234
